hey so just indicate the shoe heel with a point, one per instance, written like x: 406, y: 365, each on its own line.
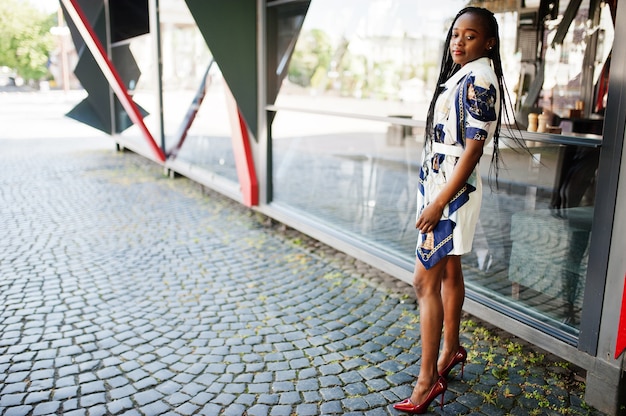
x: 462, y: 368
x: 441, y: 404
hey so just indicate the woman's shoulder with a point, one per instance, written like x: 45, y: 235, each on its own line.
x: 482, y: 71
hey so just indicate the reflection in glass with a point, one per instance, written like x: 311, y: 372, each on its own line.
x: 532, y: 241
x: 531, y: 244
x: 360, y: 176
x: 193, y: 92
x: 564, y: 63
x: 205, y: 143
x: 143, y: 91
x: 368, y: 57
x: 381, y: 59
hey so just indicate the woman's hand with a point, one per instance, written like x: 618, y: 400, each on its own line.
x: 431, y: 214
x: 429, y: 217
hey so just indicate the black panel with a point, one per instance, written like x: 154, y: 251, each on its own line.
x: 126, y: 65
x: 99, y: 98
x: 129, y: 18
x: 229, y: 30
x: 94, y: 13
x: 87, y: 113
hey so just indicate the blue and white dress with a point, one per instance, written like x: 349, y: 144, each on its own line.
x: 466, y: 109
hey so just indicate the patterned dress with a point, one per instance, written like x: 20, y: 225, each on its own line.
x: 466, y: 109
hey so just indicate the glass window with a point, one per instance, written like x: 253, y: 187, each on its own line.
x: 564, y: 56
x: 530, y: 250
x: 133, y: 58
x: 367, y: 57
x: 531, y: 244
x: 195, y: 119
x: 196, y: 132
x: 358, y: 176
x: 207, y: 143
x: 339, y: 158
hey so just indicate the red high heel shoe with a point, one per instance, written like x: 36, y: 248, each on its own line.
x: 407, y: 405
x: 459, y: 357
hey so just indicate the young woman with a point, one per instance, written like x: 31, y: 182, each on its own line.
x: 464, y: 113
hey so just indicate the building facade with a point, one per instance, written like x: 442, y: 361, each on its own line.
x: 312, y: 112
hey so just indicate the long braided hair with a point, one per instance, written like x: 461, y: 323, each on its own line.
x: 449, y: 68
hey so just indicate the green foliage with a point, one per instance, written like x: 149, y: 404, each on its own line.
x: 313, y: 54
x: 350, y: 67
x: 26, y: 38
x: 516, y: 369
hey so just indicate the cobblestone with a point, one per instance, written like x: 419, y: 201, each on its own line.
x: 124, y: 291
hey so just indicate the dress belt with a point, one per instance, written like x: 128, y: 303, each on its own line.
x: 447, y: 149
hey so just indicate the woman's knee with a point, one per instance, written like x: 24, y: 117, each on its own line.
x: 427, y: 282
x: 418, y: 285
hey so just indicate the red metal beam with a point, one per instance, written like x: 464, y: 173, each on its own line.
x: 620, y: 343
x: 244, y: 162
x: 110, y: 73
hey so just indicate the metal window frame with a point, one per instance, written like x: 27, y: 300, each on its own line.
x: 602, y: 241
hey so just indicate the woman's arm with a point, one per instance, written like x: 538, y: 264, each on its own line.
x: 465, y: 166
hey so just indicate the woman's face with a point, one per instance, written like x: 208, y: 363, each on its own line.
x: 469, y: 40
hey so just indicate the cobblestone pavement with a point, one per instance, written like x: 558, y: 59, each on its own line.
x: 123, y: 291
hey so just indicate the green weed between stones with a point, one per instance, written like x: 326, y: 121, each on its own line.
x: 516, y: 368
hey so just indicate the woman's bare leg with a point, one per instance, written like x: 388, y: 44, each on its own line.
x: 453, y: 295
x: 427, y: 285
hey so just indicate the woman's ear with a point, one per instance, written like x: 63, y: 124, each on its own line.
x: 491, y: 43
